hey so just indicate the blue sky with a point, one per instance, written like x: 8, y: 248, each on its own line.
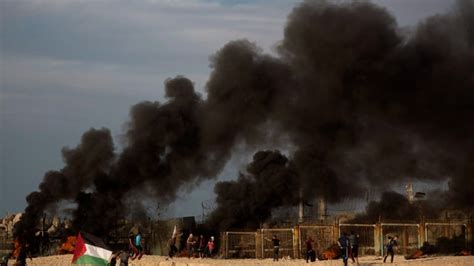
x: 67, y: 66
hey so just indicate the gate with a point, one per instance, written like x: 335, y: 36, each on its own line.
x: 366, y: 234
x: 454, y: 235
x: 286, y: 237
x: 323, y: 236
x: 408, y: 236
x: 241, y: 245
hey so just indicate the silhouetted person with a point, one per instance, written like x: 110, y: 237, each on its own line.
x: 132, y: 249
x: 310, y: 253
x: 123, y: 258
x: 172, y: 247
x: 391, y: 245
x: 354, y: 247
x: 201, y: 246
x: 344, y: 244
x: 276, y: 248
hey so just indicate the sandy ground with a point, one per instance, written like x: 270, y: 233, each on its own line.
x: 367, y: 260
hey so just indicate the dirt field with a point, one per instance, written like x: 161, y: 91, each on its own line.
x: 162, y: 261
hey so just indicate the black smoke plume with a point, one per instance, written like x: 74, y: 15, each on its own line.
x: 357, y: 103
x: 369, y: 107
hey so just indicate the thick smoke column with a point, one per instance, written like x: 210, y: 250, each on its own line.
x: 362, y: 106
x: 368, y: 107
x: 270, y: 183
x: 88, y: 162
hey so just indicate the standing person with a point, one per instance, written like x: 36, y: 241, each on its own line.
x: 132, y: 250
x: 172, y: 247
x: 354, y: 242
x: 190, y: 242
x: 276, y: 247
x: 123, y: 258
x: 138, y: 246
x: 201, y: 246
x: 310, y: 254
x: 210, y: 246
x: 391, y: 245
x: 344, y: 245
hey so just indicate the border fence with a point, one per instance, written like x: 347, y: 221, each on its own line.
x: 367, y: 234
x: 241, y: 244
x: 322, y: 236
x: 409, y: 236
x: 372, y: 238
x: 286, y: 236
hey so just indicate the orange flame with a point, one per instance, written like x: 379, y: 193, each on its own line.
x: 16, y: 249
x: 331, y: 253
x: 68, y: 246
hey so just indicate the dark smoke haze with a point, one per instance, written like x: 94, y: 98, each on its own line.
x: 362, y: 104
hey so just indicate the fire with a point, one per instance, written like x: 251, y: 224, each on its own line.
x: 331, y: 253
x: 68, y: 246
x: 463, y: 253
x: 415, y: 255
x: 328, y: 255
x: 16, y: 249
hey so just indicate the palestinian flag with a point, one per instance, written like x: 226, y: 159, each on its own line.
x: 90, y: 250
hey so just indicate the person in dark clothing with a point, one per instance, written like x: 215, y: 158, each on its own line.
x: 344, y: 245
x: 310, y: 254
x: 132, y: 250
x: 354, y: 247
x: 391, y: 246
x: 123, y: 258
x: 201, y: 246
x: 276, y: 248
x: 172, y: 247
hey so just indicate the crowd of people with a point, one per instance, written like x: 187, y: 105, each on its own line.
x: 135, y: 250
x: 195, y: 246
x: 349, y: 246
x: 202, y: 247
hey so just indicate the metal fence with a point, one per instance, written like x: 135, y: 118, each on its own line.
x: 366, y: 234
x: 286, y: 237
x: 241, y: 245
x: 323, y: 236
x: 449, y: 237
x: 372, y: 238
x: 408, y: 236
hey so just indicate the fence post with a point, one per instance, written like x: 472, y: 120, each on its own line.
x: 470, y: 234
x: 422, y: 233
x: 225, y: 244
x: 259, y: 244
x: 378, y: 245
x: 296, y: 242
